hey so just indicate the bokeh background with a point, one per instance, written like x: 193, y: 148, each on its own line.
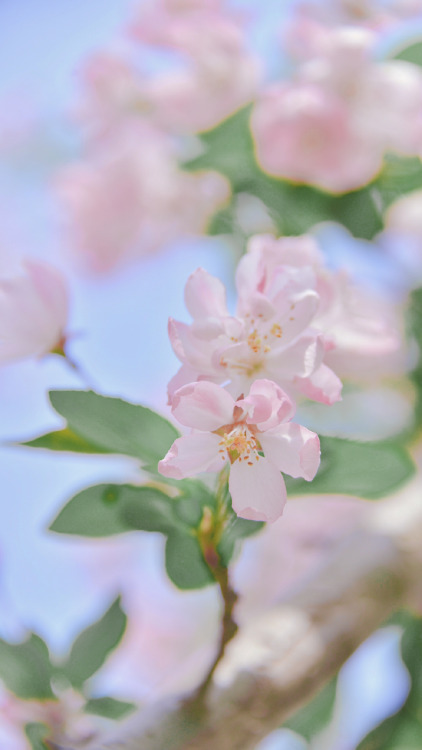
x: 57, y: 585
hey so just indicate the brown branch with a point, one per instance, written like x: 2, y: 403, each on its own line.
x: 278, y: 663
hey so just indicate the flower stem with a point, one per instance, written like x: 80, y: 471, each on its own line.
x: 209, y: 535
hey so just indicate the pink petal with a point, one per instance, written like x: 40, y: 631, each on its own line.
x: 203, y: 405
x: 205, y: 295
x: 184, y: 375
x: 267, y: 404
x: 257, y: 489
x: 299, y: 360
x: 323, y: 385
x: 192, y: 454
x: 293, y: 449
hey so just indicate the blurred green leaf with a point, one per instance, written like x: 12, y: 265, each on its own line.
x: 411, y: 53
x: 369, y: 470
x: 313, y: 717
x: 110, y: 708
x: 185, y: 564
x: 236, y: 530
x: 25, y: 668
x: 400, y: 175
x: 415, y: 331
x: 36, y: 734
x: 64, y: 440
x: 229, y: 149
x: 114, y: 425
x: 93, y: 645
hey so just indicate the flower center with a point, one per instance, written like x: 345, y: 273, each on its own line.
x: 239, y: 444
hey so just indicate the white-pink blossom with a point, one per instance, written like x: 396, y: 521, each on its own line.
x: 33, y: 312
x: 361, y: 331
x: 342, y: 111
x: 237, y: 432
x: 112, y: 93
x: 216, y: 73
x: 129, y: 197
x: 272, y: 336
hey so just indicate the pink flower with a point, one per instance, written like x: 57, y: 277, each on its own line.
x: 112, y: 92
x: 236, y: 432
x: 303, y: 133
x: 272, y: 336
x: 216, y: 74
x: 362, y: 338
x: 33, y: 312
x: 332, y: 124
x: 130, y: 197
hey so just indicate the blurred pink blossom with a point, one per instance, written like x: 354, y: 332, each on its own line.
x: 217, y: 74
x: 33, y: 312
x: 130, y: 197
x: 404, y: 215
x: 64, y: 719
x: 333, y: 122
x: 112, y: 94
x: 229, y: 431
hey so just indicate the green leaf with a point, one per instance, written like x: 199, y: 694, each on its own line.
x: 236, y: 530
x: 189, y: 506
x: 93, y: 645
x: 415, y: 326
x: 64, y: 440
x: 110, y: 708
x: 107, y: 509
x: 25, y: 668
x: 149, y: 509
x: 36, y: 734
x: 114, y: 425
x: 313, y: 717
x: 222, y: 222
x: 400, y: 175
x: 95, y: 512
x: 368, y: 470
x: 185, y: 563
x: 229, y: 149
x: 411, y: 53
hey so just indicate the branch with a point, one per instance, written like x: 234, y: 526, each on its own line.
x: 277, y: 664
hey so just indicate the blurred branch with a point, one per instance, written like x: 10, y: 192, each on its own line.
x: 275, y: 665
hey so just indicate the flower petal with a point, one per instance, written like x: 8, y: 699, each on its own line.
x: 267, y: 405
x: 192, y: 454
x: 300, y: 359
x: 293, y: 449
x: 203, y: 405
x: 257, y: 489
x: 323, y: 385
x: 205, y: 295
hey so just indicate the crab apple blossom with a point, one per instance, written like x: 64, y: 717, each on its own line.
x: 272, y: 336
x: 216, y: 75
x: 237, y: 432
x: 361, y: 331
x: 333, y: 122
x: 130, y: 198
x: 303, y: 133
x: 33, y: 312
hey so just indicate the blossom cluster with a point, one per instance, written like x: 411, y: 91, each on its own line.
x: 297, y: 327
x: 332, y: 122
